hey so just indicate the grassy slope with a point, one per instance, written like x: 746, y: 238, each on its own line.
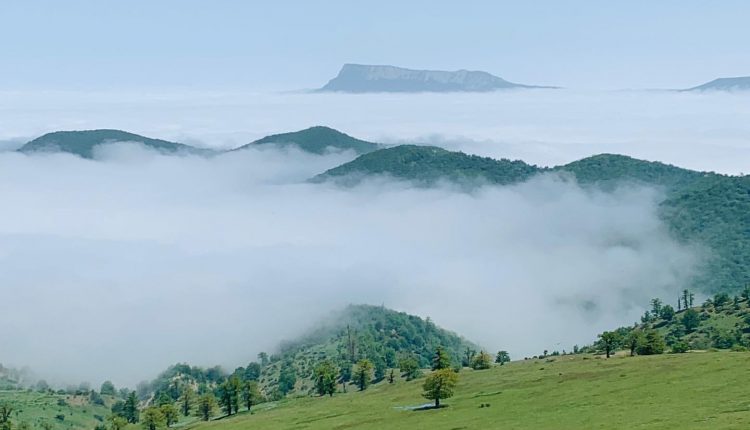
x: 35, y: 408
x: 694, y: 390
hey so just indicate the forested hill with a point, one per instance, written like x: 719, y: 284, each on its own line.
x: 384, y: 337
x: 427, y: 165
x: 316, y: 140
x: 702, y: 208
x: 82, y: 143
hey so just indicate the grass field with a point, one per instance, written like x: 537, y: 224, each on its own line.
x: 59, y: 411
x: 697, y: 390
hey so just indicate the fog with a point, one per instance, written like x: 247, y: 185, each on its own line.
x: 115, y: 268
x: 704, y: 131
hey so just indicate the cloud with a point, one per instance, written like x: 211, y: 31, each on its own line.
x: 704, y: 131
x: 117, y: 267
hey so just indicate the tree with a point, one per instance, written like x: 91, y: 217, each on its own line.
x: 229, y: 395
x: 117, y: 422
x: 152, y: 418
x: 409, y: 367
x: 206, y: 406
x: 363, y: 374
x: 391, y: 377
x: 686, y: 299
x: 252, y: 372
x: 691, y: 319
x: 324, y: 376
x: 5, y: 411
x: 653, y: 344
x: 634, y: 340
x: 130, y: 409
x: 656, y: 306
x: 502, y: 357
x: 345, y: 373
x: 441, y: 360
x: 609, y: 341
x: 170, y: 413
x: 666, y: 313
x: 440, y: 385
x: 186, y: 399
x: 251, y: 394
x: 263, y: 357
x: 469, y: 354
x: 287, y: 378
x: 107, y: 389
x: 481, y: 361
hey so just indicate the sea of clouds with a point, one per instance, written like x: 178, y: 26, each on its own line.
x: 116, y: 267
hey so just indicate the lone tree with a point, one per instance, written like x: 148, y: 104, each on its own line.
x: 206, y: 406
x: 363, y: 374
x: 324, y: 376
x: 440, y: 385
x: 441, y: 360
x: 502, y: 357
x: 481, y: 361
x: 609, y: 341
x: 656, y: 307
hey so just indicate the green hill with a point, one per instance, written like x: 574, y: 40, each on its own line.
x: 701, y: 208
x: 426, y: 165
x: 316, y: 140
x: 82, y: 143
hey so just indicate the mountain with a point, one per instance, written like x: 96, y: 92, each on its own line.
x: 82, y: 143
x: 426, y: 165
x: 702, y: 208
x: 358, y: 78
x: 741, y: 83
x: 316, y: 140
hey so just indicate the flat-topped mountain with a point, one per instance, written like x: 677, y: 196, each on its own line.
x: 83, y: 142
x: 741, y: 83
x: 358, y: 78
x: 317, y: 140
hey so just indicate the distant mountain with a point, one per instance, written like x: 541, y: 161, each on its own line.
x: 426, y: 165
x: 82, y: 143
x: 741, y: 83
x: 316, y: 140
x: 358, y: 78
x: 699, y: 207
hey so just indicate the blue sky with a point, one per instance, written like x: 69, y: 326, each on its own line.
x: 301, y: 44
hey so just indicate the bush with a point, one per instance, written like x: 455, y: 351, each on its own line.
x: 680, y: 347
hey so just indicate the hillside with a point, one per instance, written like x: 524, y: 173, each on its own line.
x: 687, y: 391
x: 741, y: 83
x: 316, y: 140
x: 381, y: 335
x: 83, y: 143
x: 360, y: 78
x: 426, y: 165
x: 701, y: 208
x: 57, y: 411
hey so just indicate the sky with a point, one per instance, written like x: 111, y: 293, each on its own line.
x: 300, y: 44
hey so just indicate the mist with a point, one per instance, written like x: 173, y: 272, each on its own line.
x: 116, y: 267
x: 702, y: 131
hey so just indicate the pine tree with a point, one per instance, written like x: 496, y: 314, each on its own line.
x: 441, y: 359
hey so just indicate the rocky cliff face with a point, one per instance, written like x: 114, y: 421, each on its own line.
x: 357, y: 78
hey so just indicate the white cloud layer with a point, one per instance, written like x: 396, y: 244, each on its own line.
x: 117, y: 267
x: 705, y: 131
